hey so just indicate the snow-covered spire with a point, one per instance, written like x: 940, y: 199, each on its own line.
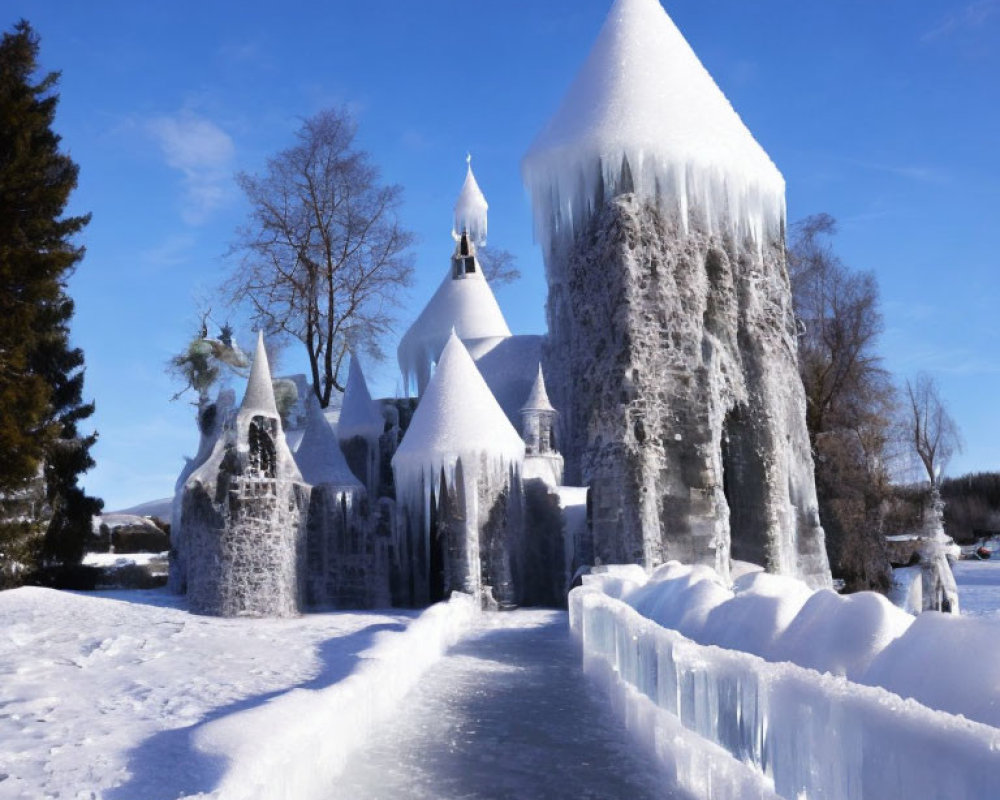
x: 463, y: 304
x: 359, y: 415
x: 470, y: 210
x: 457, y: 418
x: 259, y: 397
x: 538, y: 399
x: 319, y: 456
x: 644, y: 115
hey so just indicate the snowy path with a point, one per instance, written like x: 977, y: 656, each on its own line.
x: 507, y: 713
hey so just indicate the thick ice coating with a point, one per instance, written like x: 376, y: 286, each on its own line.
x: 359, y: 415
x: 458, y: 417
x: 319, y: 456
x: 644, y: 114
x: 465, y: 304
x: 538, y: 400
x: 470, y: 210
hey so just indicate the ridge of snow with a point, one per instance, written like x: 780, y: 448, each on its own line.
x: 359, y: 415
x: 470, y: 210
x: 319, y: 457
x: 259, y: 396
x: 643, y: 96
x: 457, y: 418
x: 538, y: 400
x: 464, y: 304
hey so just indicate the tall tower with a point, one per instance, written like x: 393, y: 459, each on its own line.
x: 672, y: 350
x: 538, y: 429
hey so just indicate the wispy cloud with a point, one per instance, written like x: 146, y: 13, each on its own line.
x: 203, y: 153
x: 949, y: 361
x: 973, y: 16
x: 920, y: 173
x: 175, y: 249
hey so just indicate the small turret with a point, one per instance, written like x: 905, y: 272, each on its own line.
x: 541, y: 457
x: 470, y: 210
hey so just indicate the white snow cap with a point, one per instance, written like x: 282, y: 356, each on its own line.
x: 538, y: 400
x: 259, y: 397
x: 643, y: 95
x: 464, y: 304
x: 359, y: 416
x: 457, y: 417
x: 319, y: 457
x: 470, y: 210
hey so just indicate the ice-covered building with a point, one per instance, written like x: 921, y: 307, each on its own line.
x: 671, y: 353
x: 243, y: 513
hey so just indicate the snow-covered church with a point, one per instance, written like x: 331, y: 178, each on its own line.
x: 670, y: 360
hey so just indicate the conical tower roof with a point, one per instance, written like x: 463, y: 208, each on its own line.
x: 457, y: 417
x: 259, y: 397
x: 538, y: 399
x: 643, y: 95
x: 319, y: 457
x: 359, y: 415
x: 465, y: 305
x: 471, y: 210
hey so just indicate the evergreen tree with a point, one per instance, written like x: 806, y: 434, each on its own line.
x: 41, y: 376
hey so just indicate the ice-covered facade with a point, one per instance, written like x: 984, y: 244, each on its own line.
x: 671, y: 353
x: 243, y: 513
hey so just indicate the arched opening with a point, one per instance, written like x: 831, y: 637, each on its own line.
x: 263, y: 456
x: 744, y: 482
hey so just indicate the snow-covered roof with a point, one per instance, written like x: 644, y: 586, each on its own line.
x: 259, y: 397
x: 643, y: 95
x: 319, y: 456
x: 470, y: 210
x: 538, y: 400
x: 465, y: 304
x: 359, y: 416
x: 457, y: 417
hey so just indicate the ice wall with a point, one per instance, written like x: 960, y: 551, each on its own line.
x: 812, y: 735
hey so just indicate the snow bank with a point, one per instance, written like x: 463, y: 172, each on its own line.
x: 644, y: 115
x: 808, y: 734
x: 294, y: 746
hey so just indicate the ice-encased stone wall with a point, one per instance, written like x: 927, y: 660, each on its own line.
x: 672, y: 357
x: 211, y: 420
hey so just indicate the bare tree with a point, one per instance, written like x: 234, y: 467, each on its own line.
x: 499, y: 266
x: 934, y: 436
x: 850, y: 401
x: 323, y: 255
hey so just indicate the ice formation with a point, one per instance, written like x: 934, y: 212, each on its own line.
x: 457, y: 474
x: 811, y: 735
x: 463, y: 301
x: 643, y: 115
x: 671, y: 354
x: 360, y: 425
x: 470, y: 210
x: 243, y: 516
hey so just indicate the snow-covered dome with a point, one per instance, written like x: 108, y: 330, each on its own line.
x: 319, y: 456
x: 643, y: 95
x: 463, y: 303
x: 359, y: 416
x: 457, y: 417
x: 259, y: 396
x: 538, y: 400
x: 470, y: 210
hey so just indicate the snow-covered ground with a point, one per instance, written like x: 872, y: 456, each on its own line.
x: 103, y: 694
x: 979, y: 587
x: 114, y: 695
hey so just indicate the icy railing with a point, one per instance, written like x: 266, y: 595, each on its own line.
x: 811, y: 735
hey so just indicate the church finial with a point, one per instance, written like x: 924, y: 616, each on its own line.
x: 470, y: 209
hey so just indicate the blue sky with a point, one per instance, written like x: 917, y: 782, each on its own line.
x: 885, y: 114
